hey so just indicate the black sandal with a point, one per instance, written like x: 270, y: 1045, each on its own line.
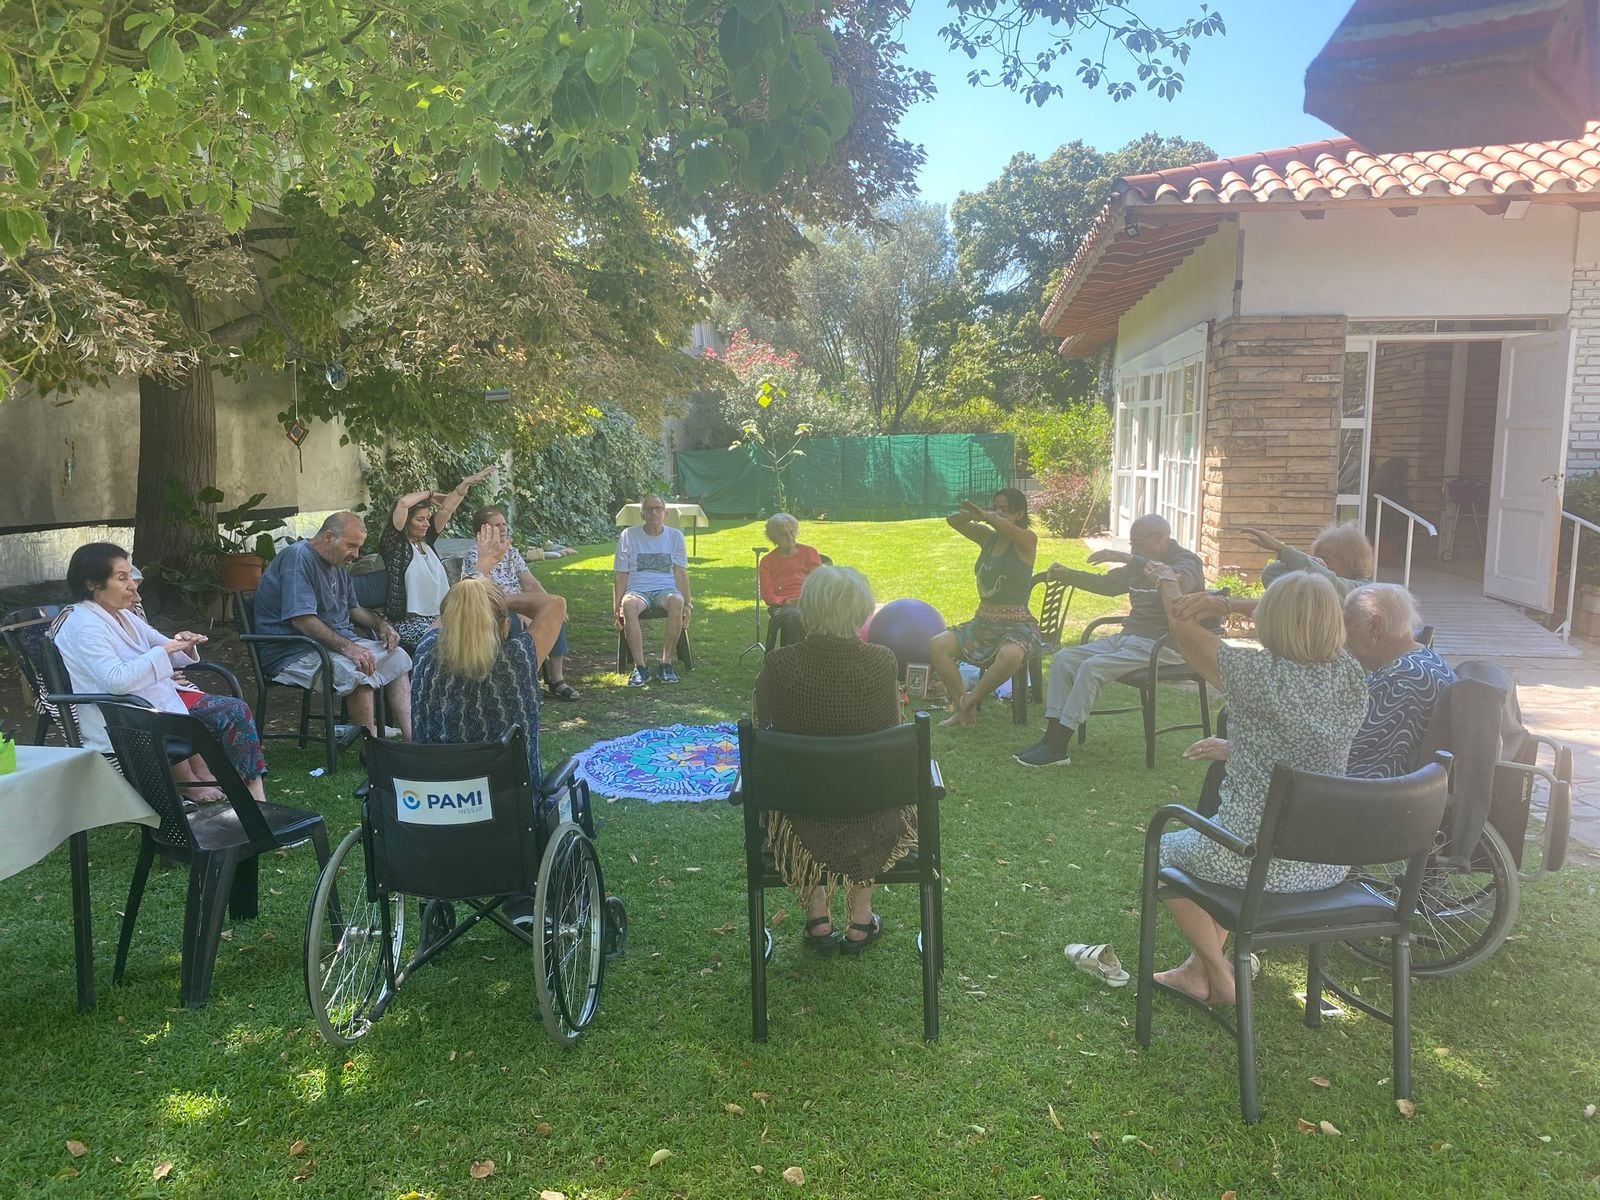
x: 855, y: 947
x: 563, y: 691
x: 821, y: 941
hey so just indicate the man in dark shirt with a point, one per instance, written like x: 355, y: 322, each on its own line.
x: 306, y: 590
x: 1077, y: 672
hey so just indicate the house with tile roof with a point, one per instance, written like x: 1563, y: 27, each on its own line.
x: 1292, y: 335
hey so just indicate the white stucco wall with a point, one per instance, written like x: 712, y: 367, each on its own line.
x: 1200, y: 289
x: 1442, y: 262
x: 97, y: 432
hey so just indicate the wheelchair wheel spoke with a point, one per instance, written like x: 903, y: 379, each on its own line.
x: 570, y: 960
x: 346, y: 973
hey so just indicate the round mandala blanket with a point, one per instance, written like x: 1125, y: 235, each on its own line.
x: 678, y: 762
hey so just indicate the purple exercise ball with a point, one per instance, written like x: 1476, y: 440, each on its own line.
x: 907, y: 627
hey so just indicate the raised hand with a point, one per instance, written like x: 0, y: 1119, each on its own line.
x: 493, y: 544
x: 1262, y: 538
x: 1109, y: 556
x: 1199, y: 606
x: 479, y: 476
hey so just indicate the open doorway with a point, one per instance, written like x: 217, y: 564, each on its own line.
x: 1431, y: 446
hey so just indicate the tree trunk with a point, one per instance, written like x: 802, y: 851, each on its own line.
x: 177, y: 440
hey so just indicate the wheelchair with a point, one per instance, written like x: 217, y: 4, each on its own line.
x: 1466, y: 909
x: 449, y: 825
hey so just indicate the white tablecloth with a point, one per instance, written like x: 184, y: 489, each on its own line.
x: 679, y: 516
x: 56, y: 792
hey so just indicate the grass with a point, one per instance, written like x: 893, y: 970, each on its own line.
x: 1035, y: 1088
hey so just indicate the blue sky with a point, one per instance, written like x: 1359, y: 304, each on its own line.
x: 1242, y: 93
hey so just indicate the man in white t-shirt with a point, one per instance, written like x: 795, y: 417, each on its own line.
x: 652, y: 572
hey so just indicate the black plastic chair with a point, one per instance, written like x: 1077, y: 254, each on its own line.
x: 684, y: 653
x: 1310, y: 818
x: 1029, y: 677
x: 244, y: 619
x: 24, y: 631
x: 1146, y: 680
x: 221, y: 842
x: 833, y: 778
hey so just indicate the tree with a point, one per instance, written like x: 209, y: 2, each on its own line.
x: 146, y: 150
x: 1013, y: 240
x: 996, y: 30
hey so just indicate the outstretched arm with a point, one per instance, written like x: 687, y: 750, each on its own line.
x: 969, y: 521
x: 451, y: 500
x: 1195, y: 642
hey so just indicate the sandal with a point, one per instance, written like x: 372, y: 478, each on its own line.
x: 562, y: 690
x: 821, y: 941
x: 1100, y: 961
x: 855, y: 947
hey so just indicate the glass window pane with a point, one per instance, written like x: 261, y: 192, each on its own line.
x: 1350, y: 462
x: 1347, y: 512
x: 1355, y: 384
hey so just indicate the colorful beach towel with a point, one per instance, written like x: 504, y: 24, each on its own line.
x: 679, y: 762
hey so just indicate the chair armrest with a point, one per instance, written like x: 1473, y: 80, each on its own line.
x: 98, y: 698
x: 736, y: 793
x: 229, y: 679
x: 1083, y: 639
x: 1207, y: 828
x: 936, y: 780
x: 267, y: 638
x: 557, y: 778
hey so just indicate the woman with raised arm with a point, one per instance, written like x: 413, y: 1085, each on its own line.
x: 494, y: 557
x: 1003, y: 634
x: 416, y: 579
x: 1297, y: 699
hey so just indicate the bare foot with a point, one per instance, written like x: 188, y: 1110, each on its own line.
x: 203, y: 794
x: 965, y: 712
x: 1190, y: 977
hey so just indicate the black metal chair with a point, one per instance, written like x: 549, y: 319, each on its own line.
x: 24, y: 631
x: 1146, y: 680
x: 1310, y: 818
x: 832, y: 778
x: 1029, y: 677
x: 244, y: 619
x: 461, y: 824
x: 220, y: 842
x: 685, y: 653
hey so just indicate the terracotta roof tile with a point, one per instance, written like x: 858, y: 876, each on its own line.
x: 1320, y: 174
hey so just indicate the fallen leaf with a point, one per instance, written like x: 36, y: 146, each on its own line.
x: 1544, y: 1137
x: 1408, y: 1108
x: 481, y: 1170
x: 1094, y: 1136
x: 269, y: 936
x: 659, y: 1157
x: 297, y: 1148
x: 1230, y: 1194
x: 1054, y: 1120
x: 727, y: 928
x: 549, y: 1194
x: 1588, y: 1112
x: 162, y: 1170
x: 542, y: 1128
x: 451, y: 1057
x: 76, y: 1149
x: 67, y: 1173
x: 1304, y: 1126
x: 761, y: 1096
x: 1328, y: 1128
x: 1442, y: 1051
x: 1320, y: 1081
x: 304, y: 1173
x: 736, y: 1110
x: 758, y: 1169
x: 1436, y: 1147
x: 794, y: 1175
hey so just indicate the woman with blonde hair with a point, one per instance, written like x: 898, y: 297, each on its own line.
x: 832, y: 684
x: 1297, y: 699
x: 477, y: 674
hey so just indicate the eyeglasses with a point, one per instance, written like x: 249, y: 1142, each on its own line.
x: 655, y: 508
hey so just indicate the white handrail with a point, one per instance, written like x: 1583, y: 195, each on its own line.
x: 1578, y: 526
x: 1412, y: 521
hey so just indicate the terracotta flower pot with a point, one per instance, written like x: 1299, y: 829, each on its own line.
x: 240, y: 572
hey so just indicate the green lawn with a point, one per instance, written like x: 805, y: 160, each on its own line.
x: 1035, y: 1088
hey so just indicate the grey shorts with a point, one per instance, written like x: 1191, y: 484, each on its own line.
x: 654, y: 599
x: 303, y: 671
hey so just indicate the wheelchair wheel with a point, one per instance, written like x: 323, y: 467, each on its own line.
x: 569, y: 904
x: 345, y: 970
x: 438, y: 919
x: 616, y: 938
x: 1462, y: 916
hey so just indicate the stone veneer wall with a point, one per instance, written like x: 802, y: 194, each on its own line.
x: 1271, y: 433
x: 1583, y: 440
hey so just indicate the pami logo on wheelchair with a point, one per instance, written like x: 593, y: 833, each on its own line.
x: 461, y: 825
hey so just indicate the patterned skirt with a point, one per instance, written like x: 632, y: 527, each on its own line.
x: 980, y: 639
x: 230, y: 722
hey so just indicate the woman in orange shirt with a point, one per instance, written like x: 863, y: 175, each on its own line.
x: 783, y: 570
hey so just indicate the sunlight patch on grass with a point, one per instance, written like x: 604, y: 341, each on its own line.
x: 180, y: 1108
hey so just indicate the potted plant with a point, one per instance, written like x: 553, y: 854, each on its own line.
x: 238, y: 538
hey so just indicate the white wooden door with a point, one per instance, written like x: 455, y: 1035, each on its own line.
x: 1529, y: 461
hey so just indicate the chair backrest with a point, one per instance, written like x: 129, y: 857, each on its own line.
x: 25, y: 631
x: 1052, y: 612
x: 244, y: 612
x: 453, y: 821
x: 57, y: 679
x: 140, y: 738
x: 834, y: 778
x: 1425, y: 636
x: 371, y: 588
x: 1349, y: 822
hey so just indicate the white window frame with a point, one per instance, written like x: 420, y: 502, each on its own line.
x: 1150, y: 409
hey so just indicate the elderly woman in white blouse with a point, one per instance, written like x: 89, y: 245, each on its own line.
x: 416, y: 581
x: 108, y: 647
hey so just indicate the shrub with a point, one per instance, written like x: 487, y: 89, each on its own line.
x: 715, y: 419
x: 1075, y: 440
x: 1582, y: 500
x: 1070, y: 504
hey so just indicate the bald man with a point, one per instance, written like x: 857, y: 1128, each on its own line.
x: 1077, y: 672
x: 306, y: 590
